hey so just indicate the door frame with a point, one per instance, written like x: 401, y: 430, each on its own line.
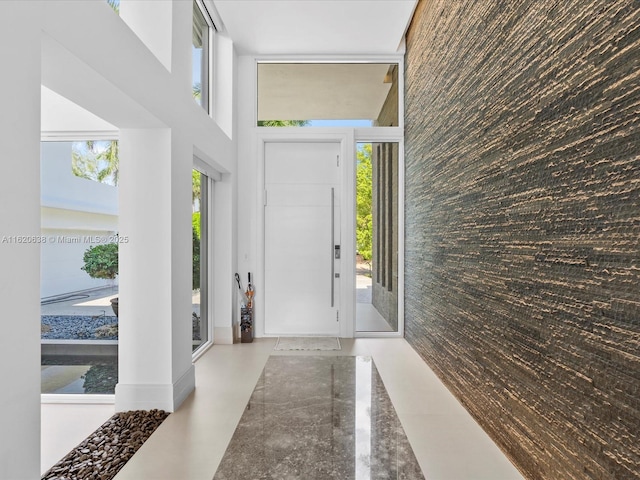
x: 347, y: 178
x: 348, y: 138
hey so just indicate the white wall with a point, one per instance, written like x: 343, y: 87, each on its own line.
x: 88, y: 54
x: 20, y: 215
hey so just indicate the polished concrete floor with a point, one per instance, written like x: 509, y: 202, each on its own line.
x: 190, y: 445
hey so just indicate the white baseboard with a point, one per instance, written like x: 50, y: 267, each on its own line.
x: 167, y: 397
x: 184, y: 386
x: 223, y: 335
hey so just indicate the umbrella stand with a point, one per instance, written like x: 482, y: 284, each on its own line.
x: 246, y: 311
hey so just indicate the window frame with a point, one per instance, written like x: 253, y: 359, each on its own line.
x: 207, y: 70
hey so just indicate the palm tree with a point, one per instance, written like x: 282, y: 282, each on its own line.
x: 197, y: 91
x: 96, y: 161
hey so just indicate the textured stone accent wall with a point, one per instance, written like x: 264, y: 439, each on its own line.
x: 523, y: 224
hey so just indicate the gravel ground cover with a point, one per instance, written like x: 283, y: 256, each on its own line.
x: 75, y: 327
x: 103, y: 453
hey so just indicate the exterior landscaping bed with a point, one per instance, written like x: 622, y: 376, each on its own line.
x: 79, y: 327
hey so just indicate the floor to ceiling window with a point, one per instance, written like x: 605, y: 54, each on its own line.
x: 79, y: 274
x: 200, y: 259
x: 377, y: 240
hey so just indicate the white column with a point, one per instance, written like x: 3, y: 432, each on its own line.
x: 20, y: 262
x: 183, y: 372
x: 155, y: 369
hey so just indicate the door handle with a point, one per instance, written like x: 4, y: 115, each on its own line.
x: 333, y: 267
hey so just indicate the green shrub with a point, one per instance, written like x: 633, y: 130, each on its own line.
x: 101, y: 261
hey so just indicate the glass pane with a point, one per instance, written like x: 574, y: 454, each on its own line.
x: 200, y: 58
x: 327, y: 94
x: 200, y: 326
x: 79, y: 272
x: 115, y: 4
x: 377, y: 237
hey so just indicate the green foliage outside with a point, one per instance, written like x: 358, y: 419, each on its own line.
x: 196, y: 177
x: 196, y: 193
x: 197, y: 91
x: 195, y: 221
x: 96, y: 160
x: 101, y: 261
x: 364, y: 216
x: 282, y: 123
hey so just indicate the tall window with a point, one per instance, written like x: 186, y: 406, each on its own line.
x: 79, y: 245
x: 200, y: 234
x: 377, y: 239
x: 201, y: 56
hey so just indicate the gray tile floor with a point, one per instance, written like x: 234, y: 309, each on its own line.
x: 319, y: 417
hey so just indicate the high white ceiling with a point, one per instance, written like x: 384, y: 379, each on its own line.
x: 331, y: 27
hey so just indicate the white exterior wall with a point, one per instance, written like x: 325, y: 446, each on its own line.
x: 60, y: 188
x: 61, y: 263
x: 88, y: 54
x: 74, y: 212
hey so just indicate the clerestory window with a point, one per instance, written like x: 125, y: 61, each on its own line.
x: 201, y: 53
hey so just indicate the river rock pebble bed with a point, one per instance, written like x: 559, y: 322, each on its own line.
x: 75, y: 327
x: 101, y: 455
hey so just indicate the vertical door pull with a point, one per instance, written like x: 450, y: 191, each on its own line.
x: 333, y: 268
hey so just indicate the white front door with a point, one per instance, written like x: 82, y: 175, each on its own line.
x: 302, y: 230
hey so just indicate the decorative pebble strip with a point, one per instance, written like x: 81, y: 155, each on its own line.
x: 105, y: 451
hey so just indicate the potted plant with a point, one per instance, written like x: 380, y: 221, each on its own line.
x: 101, y: 261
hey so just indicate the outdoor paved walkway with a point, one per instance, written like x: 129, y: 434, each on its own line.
x: 90, y: 303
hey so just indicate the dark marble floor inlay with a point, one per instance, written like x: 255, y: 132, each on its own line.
x: 319, y: 417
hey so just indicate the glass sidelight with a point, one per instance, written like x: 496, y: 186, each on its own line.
x: 199, y: 260
x: 377, y: 239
